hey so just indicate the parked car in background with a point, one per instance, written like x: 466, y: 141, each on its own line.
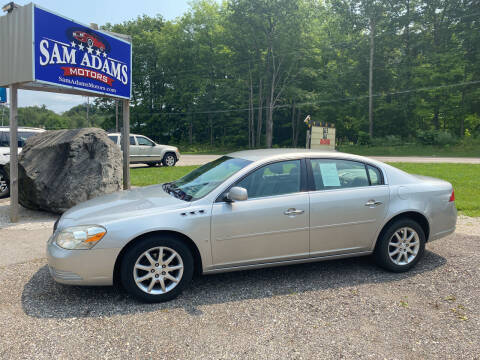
x: 146, y: 151
x: 247, y: 210
x: 23, y: 134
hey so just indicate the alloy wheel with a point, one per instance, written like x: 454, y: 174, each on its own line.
x: 158, y: 270
x: 170, y: 160
x: 403, y: 246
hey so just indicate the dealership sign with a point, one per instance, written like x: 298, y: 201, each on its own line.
x: 69, y: 54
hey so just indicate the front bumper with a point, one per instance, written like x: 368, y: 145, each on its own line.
x: 81, y: 267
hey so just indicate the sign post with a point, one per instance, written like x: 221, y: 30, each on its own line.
x: 43, y: 51
x: 13, y: 154
x: 126, y: 144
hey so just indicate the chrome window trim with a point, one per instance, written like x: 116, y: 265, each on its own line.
x: 364, y: 163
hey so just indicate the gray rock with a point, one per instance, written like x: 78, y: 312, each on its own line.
x: 59, y: 169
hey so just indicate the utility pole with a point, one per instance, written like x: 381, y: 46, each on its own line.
x: 370, y: 77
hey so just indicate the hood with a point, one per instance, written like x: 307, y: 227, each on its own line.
x: 168, y: 147
x: 112, y: 207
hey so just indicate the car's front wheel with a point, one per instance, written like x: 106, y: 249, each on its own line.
x: 400, y: 246
x: 169, y: 159
x: 157, y: 268
x: 4, y: 184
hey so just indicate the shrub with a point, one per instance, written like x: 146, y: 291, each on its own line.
x: 363, y: 138
x: 436, y: 137
x: 444, y: 138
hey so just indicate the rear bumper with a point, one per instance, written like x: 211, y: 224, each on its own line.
x: 81, y: 267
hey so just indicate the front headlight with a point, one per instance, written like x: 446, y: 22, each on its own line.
x: 80, y: 237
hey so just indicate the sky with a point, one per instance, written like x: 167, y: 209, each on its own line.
x: 99, y: 12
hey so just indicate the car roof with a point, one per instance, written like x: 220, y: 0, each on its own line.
x: 117, y: 134
x: 278, y: 154
x: 7, y: 128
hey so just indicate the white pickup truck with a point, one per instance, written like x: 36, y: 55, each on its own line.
x: 23, y: 134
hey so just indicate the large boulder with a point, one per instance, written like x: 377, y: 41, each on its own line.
x: 59, y: 169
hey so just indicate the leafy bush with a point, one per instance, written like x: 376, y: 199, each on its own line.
x: 426, y: 137
x: 445, y: 138
x: 363, y: 138
x: 436, y: 137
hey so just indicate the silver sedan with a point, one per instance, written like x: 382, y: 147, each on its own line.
x: 248, y: 210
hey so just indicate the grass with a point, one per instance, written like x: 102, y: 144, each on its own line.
x: 465, y: 179
x: 470, y: 150
x: 157, y: 175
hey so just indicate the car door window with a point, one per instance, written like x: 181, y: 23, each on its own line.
x: 143, y: 141
x: 375, y: 175
x: 337, y: 174
x: 132, y: 140
x: 273, y: 179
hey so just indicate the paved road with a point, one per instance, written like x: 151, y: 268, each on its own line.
x: 203, y: 159
x: 330, y: 310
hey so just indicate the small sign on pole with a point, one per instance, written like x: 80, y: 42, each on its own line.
x: 323, y: 136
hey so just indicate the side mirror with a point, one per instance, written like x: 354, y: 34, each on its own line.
x: 237, y: 193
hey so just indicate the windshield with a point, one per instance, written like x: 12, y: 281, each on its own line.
x: 204, y: 179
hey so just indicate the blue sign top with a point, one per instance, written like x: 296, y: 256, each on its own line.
x: 71, y: 55
x: 3, y: 95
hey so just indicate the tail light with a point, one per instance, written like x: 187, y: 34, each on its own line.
x: 452, y: 197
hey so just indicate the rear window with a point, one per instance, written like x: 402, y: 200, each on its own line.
x: 114, y: 138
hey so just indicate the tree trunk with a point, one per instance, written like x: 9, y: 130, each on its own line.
x: 299, y: 122
x: 260, y: 113
x: 210, y: 123
x: 370, y: 78
x: 190, y: 130
x: 293, y: 124
x: 436, y: 121
x: 251, y: 117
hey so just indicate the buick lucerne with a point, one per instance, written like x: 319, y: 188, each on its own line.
x: 247, y: 210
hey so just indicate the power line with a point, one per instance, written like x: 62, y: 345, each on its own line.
x: 320, y: 102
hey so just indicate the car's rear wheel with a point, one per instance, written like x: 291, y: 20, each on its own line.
x: 157, y: 268
x: 400, y: 246
x: 4, y: 184
x: 169, y: 159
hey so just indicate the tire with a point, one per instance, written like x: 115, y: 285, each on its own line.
x: 152, y: 164
x: 169, y: 159
x: 136, y: 266
x: 405, y: 255
x: 4, y: 184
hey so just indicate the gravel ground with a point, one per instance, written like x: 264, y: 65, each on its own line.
x: 329, y: 310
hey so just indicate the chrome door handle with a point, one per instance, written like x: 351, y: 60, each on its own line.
x: 373, y: 203
x: 293, y: 211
